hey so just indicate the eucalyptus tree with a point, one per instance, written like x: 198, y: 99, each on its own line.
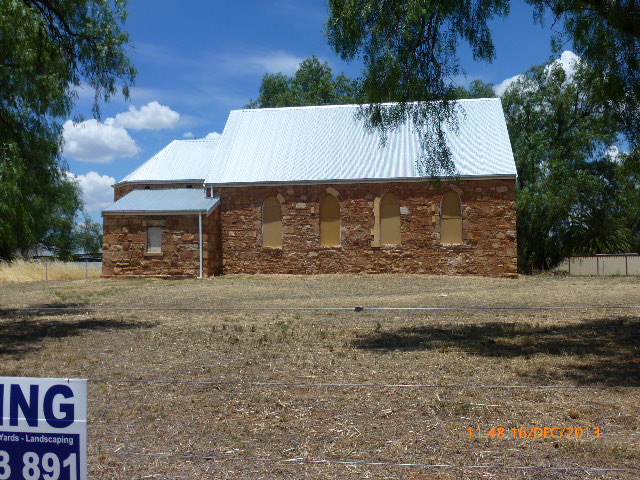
x: 312, y: 84
x: 570, y: 189
x: 48, y: 51
x: 409, y: 48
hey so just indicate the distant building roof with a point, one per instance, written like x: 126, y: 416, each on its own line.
x: 325, y: 143
x: 181, y: 160
x: 161, y: 201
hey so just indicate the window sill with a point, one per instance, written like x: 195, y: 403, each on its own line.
x: 388, y: 246
x: 154, y: 254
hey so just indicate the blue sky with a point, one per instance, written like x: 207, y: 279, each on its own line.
x: 199, y: 59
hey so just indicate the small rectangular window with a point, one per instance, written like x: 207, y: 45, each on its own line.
x: 154, y: 239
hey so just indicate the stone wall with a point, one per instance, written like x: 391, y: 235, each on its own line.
x: 489, y: 229
x: 121, y: 190
x: 125, y: 246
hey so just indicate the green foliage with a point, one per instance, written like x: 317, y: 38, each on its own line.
x: 409, y: 54
x: 312, y: 84
x: 56, y: 230
x: 570, y: 197
x: 477, y: 89
x: 629, y: 195
x: 47, y: 51
x: 88, y: 235
x: 606, y: 34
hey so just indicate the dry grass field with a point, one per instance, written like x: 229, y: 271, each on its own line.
x: 143, y: 430
x: 19, y: 271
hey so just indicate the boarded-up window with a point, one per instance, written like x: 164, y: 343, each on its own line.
x: 271, y: 223
x: 329, y: 221
x: 389, y: 220
x: 154, y: 239
x: 451, y: 219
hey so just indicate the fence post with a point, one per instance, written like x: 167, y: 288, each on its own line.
x: 46, y: 269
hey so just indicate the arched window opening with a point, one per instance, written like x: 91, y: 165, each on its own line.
x: 271, y: 223
x: 451, y: 219
x: 329, y: 221
x: 389, y: 220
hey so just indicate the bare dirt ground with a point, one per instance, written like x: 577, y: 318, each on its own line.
x: 207, y: 430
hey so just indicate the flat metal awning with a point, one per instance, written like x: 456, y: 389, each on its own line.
x: 166, y: 201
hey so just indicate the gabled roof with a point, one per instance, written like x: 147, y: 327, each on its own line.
x: 167, y: 200
x: 325, y: 143
x: 181, y: 160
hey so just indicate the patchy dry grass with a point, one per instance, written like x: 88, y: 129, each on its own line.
x: 366, y: 423
x: 19, y: 271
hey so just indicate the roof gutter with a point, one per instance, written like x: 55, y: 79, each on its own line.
x: 158, y: 182
x: 207, y: 211
x: 367, y: 180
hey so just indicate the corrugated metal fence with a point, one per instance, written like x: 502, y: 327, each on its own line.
x: 604, y: 264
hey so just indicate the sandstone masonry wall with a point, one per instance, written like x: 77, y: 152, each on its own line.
x: 125, y: 246
x: 489, y: 229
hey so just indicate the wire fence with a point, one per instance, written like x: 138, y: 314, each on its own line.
x: 361, y: 385
x: 346, y: 385
x: 358, y: 308
x: 363, y: 462
x: 39, y: 270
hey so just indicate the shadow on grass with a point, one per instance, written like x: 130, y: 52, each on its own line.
x: 25, y: 330
x: 614, y: 342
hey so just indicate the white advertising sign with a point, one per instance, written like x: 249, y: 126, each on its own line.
x: 43, y: 429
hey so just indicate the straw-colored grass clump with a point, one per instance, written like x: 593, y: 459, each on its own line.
x: 34, y: 271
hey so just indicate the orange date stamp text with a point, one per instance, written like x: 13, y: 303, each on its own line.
x: 590, y: 433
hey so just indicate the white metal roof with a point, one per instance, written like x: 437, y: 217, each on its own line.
x: 181, y: 160
x: 307, y: 144
x: 163, y: 200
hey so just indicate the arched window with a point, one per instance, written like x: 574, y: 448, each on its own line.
x: 389, y: 220
x: 271, y: 223
x: 451, y: 219
x: 329, y: 221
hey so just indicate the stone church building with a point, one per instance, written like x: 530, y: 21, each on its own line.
x: 307, y: 190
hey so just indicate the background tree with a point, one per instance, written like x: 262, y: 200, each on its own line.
x: 88, y: 235
x: 476, y: 89
x: 570, y: 191
x: 312, y: 84
x: 409, y: 54
x: 56, y: 230
x: 628, y: 173
x: 47, y: 50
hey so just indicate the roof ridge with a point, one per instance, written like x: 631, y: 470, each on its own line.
x: 204, y: 139
x: 350, y: 105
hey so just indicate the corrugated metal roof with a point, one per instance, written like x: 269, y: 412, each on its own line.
x: 180, y: 160
x: 167, y: 200
x: 299, y: 144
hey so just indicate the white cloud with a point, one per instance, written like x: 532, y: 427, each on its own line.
x: 188, y: 135
x: 502, y: 86
x: 568, y: 61
x: 97, y: 192
x: 213, y: 135
x: 613, y: 152
x: 95, y: 142
x: 272, y: 62
x: 151, y: 116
